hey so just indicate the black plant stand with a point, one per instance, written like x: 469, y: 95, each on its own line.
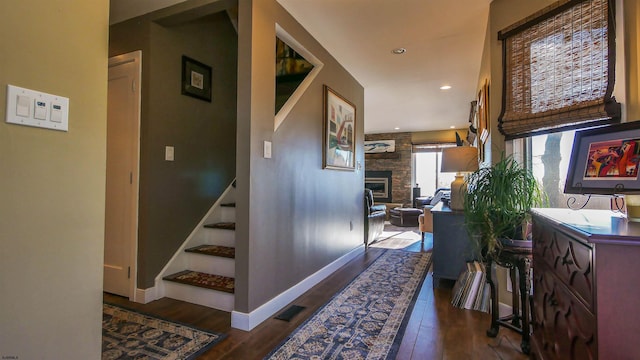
x: 518, y: 261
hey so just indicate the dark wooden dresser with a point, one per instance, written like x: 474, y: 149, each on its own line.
x: 586, y: 285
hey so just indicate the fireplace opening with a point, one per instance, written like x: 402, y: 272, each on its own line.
x: 379, y: 182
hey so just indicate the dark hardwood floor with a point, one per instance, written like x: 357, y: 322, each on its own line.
x: 436, y: 330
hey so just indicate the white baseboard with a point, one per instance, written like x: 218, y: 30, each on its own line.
x: 145, y: 296
x: 247, y: 322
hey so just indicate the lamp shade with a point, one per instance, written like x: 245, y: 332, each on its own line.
x: 459, y: 159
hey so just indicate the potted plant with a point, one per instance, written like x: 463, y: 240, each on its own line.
x: 497, y: 204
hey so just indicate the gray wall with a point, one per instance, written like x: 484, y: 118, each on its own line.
x: 174, y: 196
x: 293, y: 217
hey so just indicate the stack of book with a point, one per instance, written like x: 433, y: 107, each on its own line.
x: 471, y: 290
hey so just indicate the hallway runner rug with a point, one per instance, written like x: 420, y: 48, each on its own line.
x: 128, y: 334
x: 365, y: 320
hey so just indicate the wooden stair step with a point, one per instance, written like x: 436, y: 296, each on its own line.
x: 203, y: 280
x: 222, y: 225
x: 214, y: 250
x: 228, y: 205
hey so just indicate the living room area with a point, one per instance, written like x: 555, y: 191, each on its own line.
x: 407, y: 175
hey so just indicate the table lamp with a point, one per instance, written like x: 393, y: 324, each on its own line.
x: 459, y: 159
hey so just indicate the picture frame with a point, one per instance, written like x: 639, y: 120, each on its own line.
x: 472, y: 133
x: 196, y: 79
x: 483, y: 113
x: 339, y: 152
x: 379, y: 146
x: 605, y: 160
x: 481, y: 121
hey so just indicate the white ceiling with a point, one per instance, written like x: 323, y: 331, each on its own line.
x: 444, y: 42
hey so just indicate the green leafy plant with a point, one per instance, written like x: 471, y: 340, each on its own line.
x: 497, y: 203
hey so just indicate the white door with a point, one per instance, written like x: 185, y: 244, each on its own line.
x: 121, y: 213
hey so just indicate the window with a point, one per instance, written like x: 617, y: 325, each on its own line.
x: 558, y: 69
x: 548, y: 157
x: 427, y: 172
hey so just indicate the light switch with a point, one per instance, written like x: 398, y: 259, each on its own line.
x: 38, y: 109
x: 40, y: 112
x: 23, y: 106
x: 56, y: 113
x: 267, y: 149
x: 168, y: 153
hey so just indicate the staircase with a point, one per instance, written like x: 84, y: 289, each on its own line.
x: 203, y: 270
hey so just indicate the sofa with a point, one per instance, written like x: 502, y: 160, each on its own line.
x: 374, y: 216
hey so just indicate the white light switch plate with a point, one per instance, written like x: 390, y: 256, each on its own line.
x: 32, y: 108
x: 267, y: 149
x: 168, y: 153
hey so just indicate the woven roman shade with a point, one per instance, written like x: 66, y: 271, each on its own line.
x: 434, y: 147
x: 559, y: 69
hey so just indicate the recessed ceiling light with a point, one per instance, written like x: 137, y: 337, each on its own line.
x: 445, y: 87
x: 452, y: 127
x: 396, y: 128
x: 399, y: 51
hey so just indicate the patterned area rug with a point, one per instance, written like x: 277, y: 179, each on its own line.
x: 131, y: 335
x: 366, y: 320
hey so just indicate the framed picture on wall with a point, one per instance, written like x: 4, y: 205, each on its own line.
x: 605, y: 160
x: 196, y: 79
x: 379, y: 146
x: 339, y: 150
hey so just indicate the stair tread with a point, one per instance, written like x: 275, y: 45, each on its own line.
x: 214, y: 250
x: 228, y: 205
x: 222, y: 225
x: 203, y: 280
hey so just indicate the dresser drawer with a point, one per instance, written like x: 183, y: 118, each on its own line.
x: 563, y: 327
x: 567, y: 257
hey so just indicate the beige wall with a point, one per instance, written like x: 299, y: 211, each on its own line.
x: 502, y: 13
x: 506, y: 12
x: 52, y: 183
x: 632, y: 57
x: 441, y: 136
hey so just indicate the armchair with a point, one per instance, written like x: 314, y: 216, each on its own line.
x: 374, y: 216
x: 425, y: 221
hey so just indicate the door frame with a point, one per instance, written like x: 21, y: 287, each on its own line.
x: 135, y: 56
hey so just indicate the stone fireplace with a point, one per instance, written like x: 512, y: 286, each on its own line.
x: 380, y: 183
